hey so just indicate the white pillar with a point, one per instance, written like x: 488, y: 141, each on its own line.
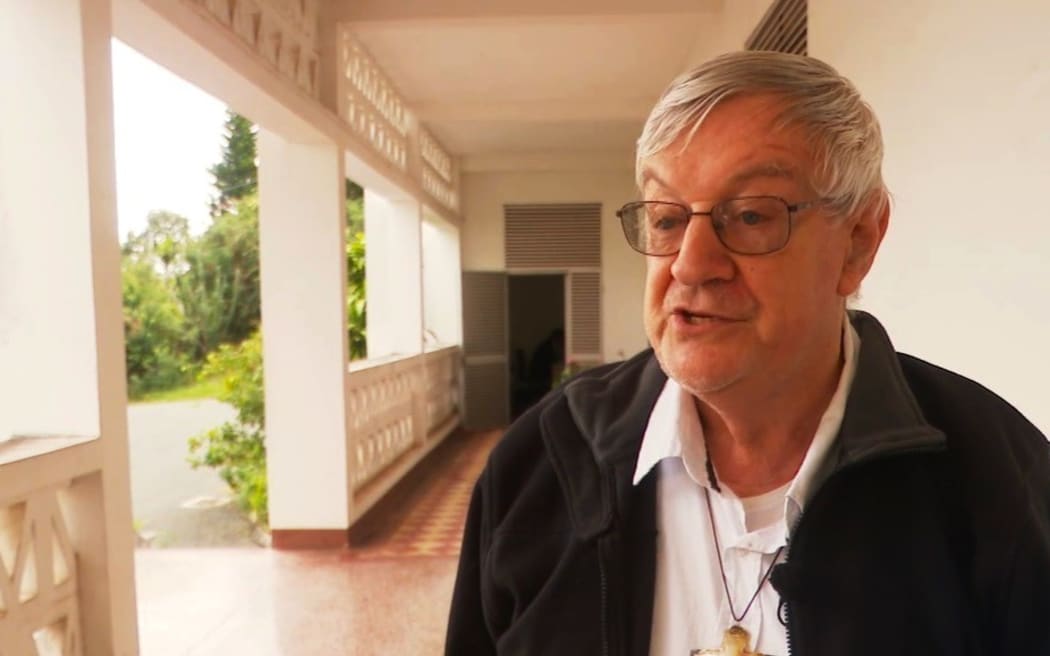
x: 393, y: 276
x: 303, y: 258
x: 47, y: 305
x: 442, y: 282
x: 61, y: 320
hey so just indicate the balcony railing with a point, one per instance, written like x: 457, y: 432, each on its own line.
x: 40, y: 611
x: 370, y: 104
x: 283, y: 32
x: 399, y: 409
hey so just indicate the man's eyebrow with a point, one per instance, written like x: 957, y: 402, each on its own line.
x: 772, y: 169
x: 648, y: 175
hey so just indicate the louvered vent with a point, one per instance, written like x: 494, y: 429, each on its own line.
x: 553, y: 236
x: 484, y: 313
x: 585, y: 298
x: 783, y: 28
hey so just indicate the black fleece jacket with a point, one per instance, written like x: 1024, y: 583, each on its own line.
x: 931, y: 536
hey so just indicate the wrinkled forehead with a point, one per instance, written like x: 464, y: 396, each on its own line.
x: 656, y: 173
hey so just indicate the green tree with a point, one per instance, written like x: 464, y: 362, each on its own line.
x: 355, y: 208
x: 219, y: 289
x: 162, y: 243
x: 154, y: 330
x: 156, y: 353
x: 236, y: 176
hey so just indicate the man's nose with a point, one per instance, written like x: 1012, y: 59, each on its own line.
x: 702, y: 257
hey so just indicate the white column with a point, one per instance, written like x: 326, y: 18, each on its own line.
x: 442, y: 281
x: 303, y: 258
x: 61, y: 321
x: 393, y: 276
x: 47, y: 305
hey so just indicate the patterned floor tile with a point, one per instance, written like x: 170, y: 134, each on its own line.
x: 424, y: 516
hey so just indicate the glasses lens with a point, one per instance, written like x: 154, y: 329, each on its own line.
x: 753, y: 226
x: 654, y: 228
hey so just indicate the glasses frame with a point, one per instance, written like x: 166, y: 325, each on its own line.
x: 792, y: 209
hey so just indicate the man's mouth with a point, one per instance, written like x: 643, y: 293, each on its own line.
x: 699, y: 317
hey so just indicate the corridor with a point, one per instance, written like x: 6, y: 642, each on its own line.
x: 387, y: 594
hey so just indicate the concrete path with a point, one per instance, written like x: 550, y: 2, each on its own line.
x: 173, y: 504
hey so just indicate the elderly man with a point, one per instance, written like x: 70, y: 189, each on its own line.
x: 772, y: 477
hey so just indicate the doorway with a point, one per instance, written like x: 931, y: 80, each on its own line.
x: 536, y: 340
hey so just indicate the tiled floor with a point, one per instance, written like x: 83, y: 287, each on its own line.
x: 426, y: 518
x: 387, y: 594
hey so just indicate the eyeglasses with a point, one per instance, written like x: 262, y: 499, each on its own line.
x: 755, y: 225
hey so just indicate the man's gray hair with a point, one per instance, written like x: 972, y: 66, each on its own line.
x: 847, y: 141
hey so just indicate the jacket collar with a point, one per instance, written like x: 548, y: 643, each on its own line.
x: 882, y: 415
x: 610, y: 412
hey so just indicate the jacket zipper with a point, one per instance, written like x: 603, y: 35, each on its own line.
x: 786, y: 605
x: 605, y: 603
x: 798, y: 522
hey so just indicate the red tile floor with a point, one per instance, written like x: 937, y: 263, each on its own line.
x: 387, y: 594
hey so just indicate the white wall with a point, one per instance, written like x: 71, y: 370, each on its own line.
x: 623, y: 270
x: 963, y: 93
x: 727, y: 30
x: 442, y: 281
x: 393, y: 275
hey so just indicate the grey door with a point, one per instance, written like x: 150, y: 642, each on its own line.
x: 486, y: 387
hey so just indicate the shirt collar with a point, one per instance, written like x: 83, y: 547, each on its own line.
x: 674, y: 431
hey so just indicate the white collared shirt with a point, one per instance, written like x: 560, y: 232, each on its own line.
x: 690, y: 610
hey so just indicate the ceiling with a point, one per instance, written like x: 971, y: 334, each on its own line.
x: 505, y: 77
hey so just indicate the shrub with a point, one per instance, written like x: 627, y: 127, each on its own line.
x: 238, y: 449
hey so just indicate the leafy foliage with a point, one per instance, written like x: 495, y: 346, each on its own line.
x: 238, y: 449
x: 355, y: 208
x: 162, y: 243
x: 157, y: 352
x: 219, y: 290
x: 356, y: 318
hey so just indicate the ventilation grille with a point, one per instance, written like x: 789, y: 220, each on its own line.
x: 553, y: 236
x: 484, y: 313
x: 585, y: 297
x: 783, y: 28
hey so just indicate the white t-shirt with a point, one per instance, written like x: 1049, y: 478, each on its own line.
x: 690, y: 610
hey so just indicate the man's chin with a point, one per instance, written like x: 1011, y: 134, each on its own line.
x: 700, y: 373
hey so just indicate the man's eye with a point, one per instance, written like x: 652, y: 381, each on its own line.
x: 751, y: 217
x: 667, y: 222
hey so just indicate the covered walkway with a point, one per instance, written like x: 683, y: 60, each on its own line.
x: 494, y: 141
x: 386, y: 594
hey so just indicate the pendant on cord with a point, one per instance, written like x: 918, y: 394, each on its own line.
x: 736, y: 642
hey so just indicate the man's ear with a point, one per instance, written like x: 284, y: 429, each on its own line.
x: 867, y: 228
